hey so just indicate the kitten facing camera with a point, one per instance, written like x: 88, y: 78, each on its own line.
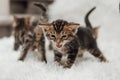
x: 70, y: 39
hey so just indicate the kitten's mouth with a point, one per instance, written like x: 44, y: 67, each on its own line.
x: 59, y: 45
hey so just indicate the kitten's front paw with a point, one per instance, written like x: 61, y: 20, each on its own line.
x: 44, y: 60
x: 21, y: 59
x: 67, y: 65
x: 104, y: 60
x: 61, y: 63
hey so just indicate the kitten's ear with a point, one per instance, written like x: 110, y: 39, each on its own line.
x: 73, y: 27
x: 45, y: 27
x: 95, y: 31
x: 27, y: 20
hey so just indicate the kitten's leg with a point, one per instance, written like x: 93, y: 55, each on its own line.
x: 80, y: 53
x: 41, y: 53
x: 57, y: 56
x: 70, y: 60
x: 16, y: 46
x: 97, y: 53
x: 41, y: 50
x: 24, y: 52
x: 33, y: 48
x: 17, y: 42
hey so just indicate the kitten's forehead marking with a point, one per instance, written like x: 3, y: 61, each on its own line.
x: 58, y: 25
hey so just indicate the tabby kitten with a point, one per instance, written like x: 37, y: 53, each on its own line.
x: 29, y: 37
x: 70, y: 39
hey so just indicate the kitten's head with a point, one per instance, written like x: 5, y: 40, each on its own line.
x: 21, y: 21
x: 60, y: 32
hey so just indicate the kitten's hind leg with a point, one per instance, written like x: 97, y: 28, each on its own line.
x: 98, y: 54
x: 24, y: 52
x: 41, y: 54
x: 16, y: 46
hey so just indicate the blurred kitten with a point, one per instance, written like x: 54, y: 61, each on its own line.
x: 30, y: 37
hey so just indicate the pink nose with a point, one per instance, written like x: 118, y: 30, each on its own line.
x: 59, y: 45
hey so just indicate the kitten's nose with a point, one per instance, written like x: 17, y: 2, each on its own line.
x: 59, y: 45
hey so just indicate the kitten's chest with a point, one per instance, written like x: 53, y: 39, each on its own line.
x: 64, y: 50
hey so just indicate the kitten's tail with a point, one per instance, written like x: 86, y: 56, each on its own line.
x: 41, y: 6
x: 87, y: 22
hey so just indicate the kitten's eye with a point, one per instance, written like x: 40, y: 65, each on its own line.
x: 52, y: 36
x: 64, y: 36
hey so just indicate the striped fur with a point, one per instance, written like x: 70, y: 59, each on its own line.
x: 58, y: 25
x: 29, y: 37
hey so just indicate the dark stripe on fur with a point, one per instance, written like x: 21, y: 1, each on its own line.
x: 59, y: 25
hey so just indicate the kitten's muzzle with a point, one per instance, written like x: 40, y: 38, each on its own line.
x: 59, y: 45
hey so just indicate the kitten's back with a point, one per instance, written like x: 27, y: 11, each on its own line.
x: 85, y: 37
